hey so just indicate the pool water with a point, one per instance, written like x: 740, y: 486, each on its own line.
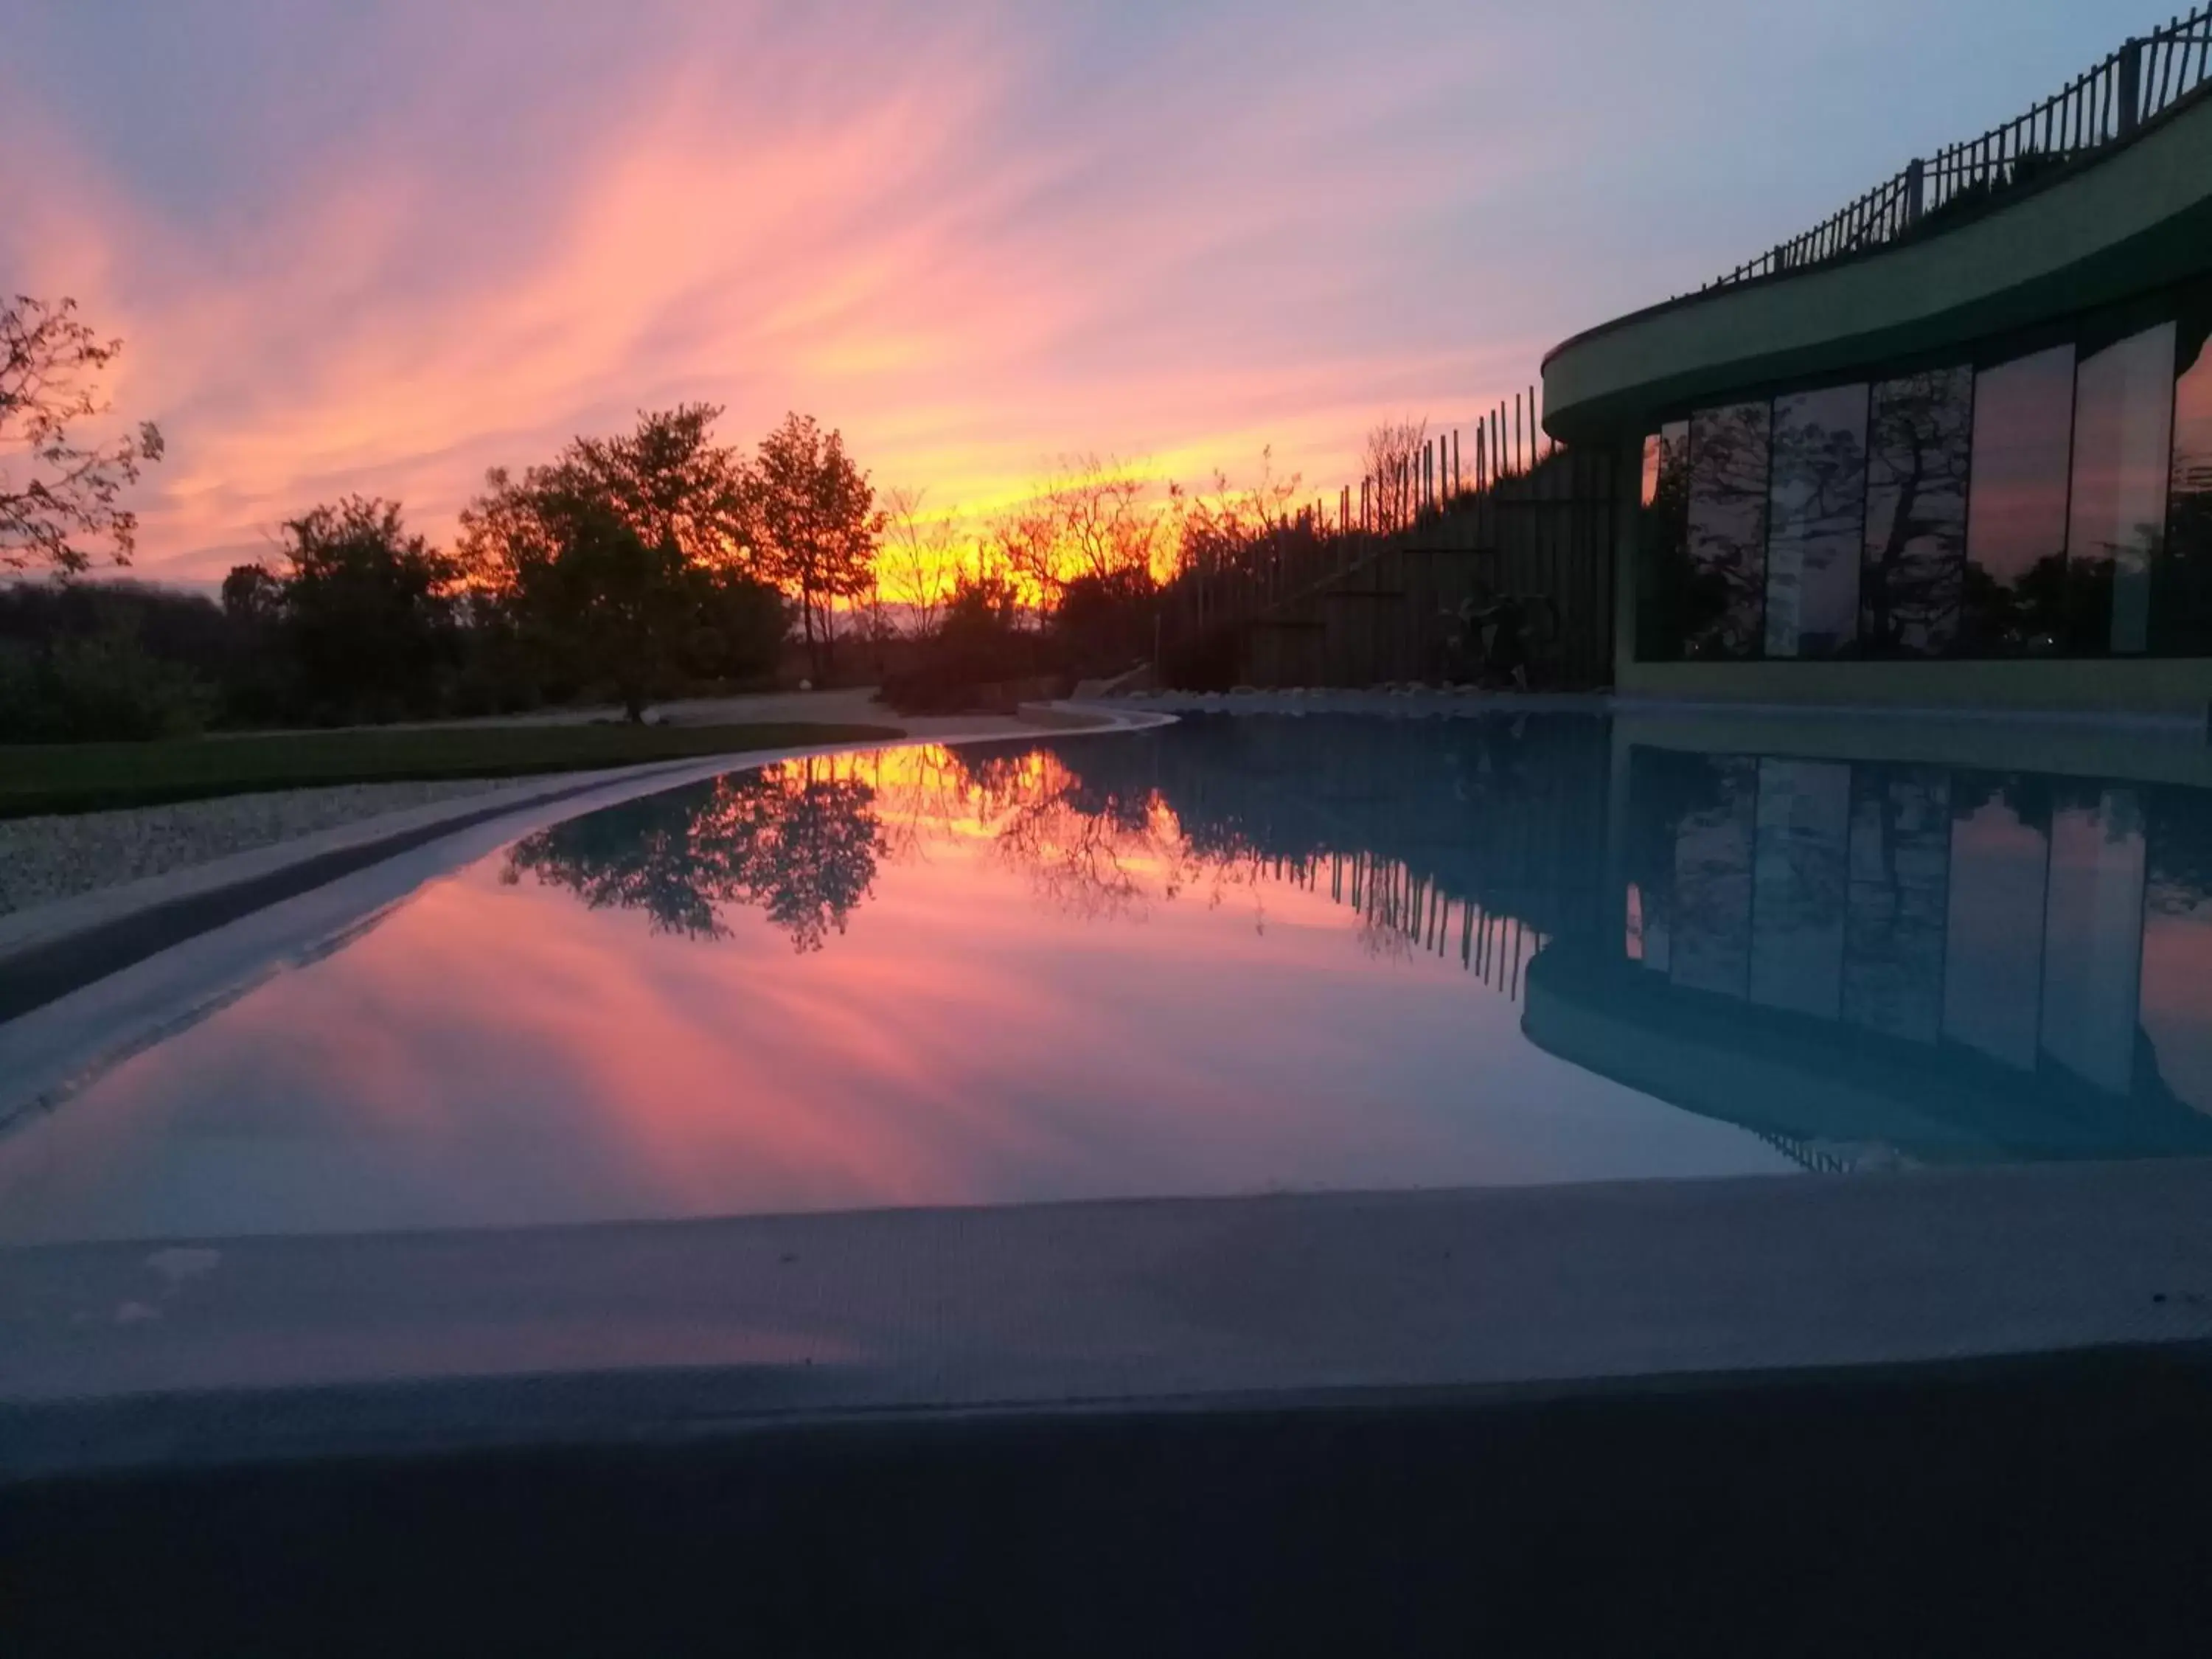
x: 1236, y: 955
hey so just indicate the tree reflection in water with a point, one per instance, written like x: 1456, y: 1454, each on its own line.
x: 1428, y: 837
x: 1093, y: 847
x: 802, y: 841
x: 799, y: 842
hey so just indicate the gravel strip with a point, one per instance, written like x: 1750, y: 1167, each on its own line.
x: 45, y: 858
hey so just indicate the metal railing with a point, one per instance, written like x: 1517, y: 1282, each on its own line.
x: 2143, y: 81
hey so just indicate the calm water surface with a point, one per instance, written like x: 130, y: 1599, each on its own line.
x: 1233, y: 956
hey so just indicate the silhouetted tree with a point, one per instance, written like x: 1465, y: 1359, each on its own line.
x: 58, y: 496
x: 363, y: 611
x: 1090, y: 517
x: 603, y: 604
x: 812, y: 518
x: 1085, y: 543
x: 624, y: 562
x: 1223, y: 528
x: 920, y: 556
x: 671, y: 483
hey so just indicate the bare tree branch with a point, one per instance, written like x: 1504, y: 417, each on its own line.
x: 57, y: 495
x: 1390, y: 455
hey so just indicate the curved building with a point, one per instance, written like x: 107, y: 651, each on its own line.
x: 1954, y: 447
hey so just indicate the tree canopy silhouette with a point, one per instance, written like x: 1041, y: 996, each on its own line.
x: 362, y: 610
x: 626, y: 557
x: 813, y: 523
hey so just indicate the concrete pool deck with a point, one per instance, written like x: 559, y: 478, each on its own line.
x: 135, y: 1355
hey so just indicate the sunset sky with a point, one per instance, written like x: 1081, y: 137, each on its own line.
x: 381, y: 247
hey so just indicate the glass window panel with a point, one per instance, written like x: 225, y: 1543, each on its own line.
x: 2181, y: 620
x: 1728, y: 528
x: 1817, y: 510
x: 1993, y: 967
x: 2122, y: 431
x: 2015, y: 595
x: 1919, y: 445
x: 1901, y: 870
x: 2093, y: 939
x: 1798, y: 883
x: 1668, y: 597
x: 1712, y: 936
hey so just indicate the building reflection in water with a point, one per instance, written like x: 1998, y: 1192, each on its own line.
x: 1904, y: 963
x: 1863, y: 962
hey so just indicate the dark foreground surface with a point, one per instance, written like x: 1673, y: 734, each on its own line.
x: 2052, y: 1504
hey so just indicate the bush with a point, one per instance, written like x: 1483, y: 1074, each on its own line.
x: 979, y: 651
x: 1105, y: 623
x: 968, y: 671
x: 738, y: 633
x: 103, y: 688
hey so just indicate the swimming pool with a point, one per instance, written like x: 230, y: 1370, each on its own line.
x: 1237, y: 955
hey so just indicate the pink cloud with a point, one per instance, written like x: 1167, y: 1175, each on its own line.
x: 382, y: 248
x: 886, y: 237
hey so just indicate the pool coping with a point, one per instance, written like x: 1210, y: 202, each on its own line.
x: 116, y: 1357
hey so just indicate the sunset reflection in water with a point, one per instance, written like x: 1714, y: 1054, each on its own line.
x: 1222, y: 959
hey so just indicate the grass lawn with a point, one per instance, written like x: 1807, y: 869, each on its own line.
x: 91, y: 777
